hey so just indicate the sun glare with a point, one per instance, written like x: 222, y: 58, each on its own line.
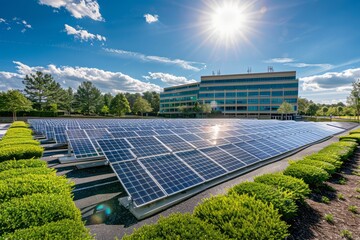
x: 227, y: 21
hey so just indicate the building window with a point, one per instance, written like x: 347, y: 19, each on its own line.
x: 252, y: 108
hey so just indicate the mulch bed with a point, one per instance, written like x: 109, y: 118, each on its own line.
x: 311, y: 224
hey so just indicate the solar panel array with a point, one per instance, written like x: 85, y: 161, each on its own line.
x: 158, y: 158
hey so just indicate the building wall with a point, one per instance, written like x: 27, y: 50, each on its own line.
x: 240, y: 94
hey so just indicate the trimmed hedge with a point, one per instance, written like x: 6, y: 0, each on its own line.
x: 62, y: 230
x: 310, y: 174
x: 282, y: 200
x: 16, y: 164
x: 343, y: 149
x: 356, y: 131
x: 18, y: 124
x: 355, y: 136
x: 242, y: 217
x: 297, y: 186
x: 328, y: 167
x: 15, y: 141
x: 18, y: 131
x: 19, y: 172
x: 326, y: 157
x: 36, y: 210
x: 31, y: 184
x: 177, y: 226
x: 20, y: 152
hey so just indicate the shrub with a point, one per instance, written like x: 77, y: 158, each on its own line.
x: 18, y: 131
x: 11, y: 173
x: 20, y: 152
x: 62, y: 230
x: 15, y: 141
x: 325, y: 199
x: 299, y: 188
x: 242, y: 217
x: 328, y: 167
x: 36, y: 210
x: 310, y: 174
x: 177, y: 226
x: 18, y: 124
x: 30, y: 184
x: 342, y: 181
x: 341, y: 196
x: 353, y: 208
x: 282, y: 200
x: 329, y: 158
x: 329, y: 218
x: 16, y: 164
x: 346, y: 234
x: 356, y: 131
x: 343, y: 149
x: 355, y: 136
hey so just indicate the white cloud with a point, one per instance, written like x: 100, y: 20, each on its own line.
x: 16, y: 23
x: 83, y: 35
x: 151, y: 18
x: 338, y: 81
x: 26, y: 25
x: 2, y: 20
x: 323, y: 66
x: 194, y: 66
x: 169, y: 78
x: 68, y: 76
x: 280, y: 60
x: 78, y: 8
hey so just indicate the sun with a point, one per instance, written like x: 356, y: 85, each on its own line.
x: 227, y: 21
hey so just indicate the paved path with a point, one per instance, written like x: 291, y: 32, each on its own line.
x: 3, y: 129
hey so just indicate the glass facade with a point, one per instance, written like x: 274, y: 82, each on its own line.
x: 258, y: 93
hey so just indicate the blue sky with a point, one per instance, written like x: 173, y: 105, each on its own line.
x: 135, y: 46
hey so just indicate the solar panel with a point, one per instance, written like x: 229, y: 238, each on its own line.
x: 218, y: 142
x: 170, y: 139
x: 140, y: 142
x: 82, y: 148
x: 253, y: 150
x: 180, y: 130
x: 124, y: 134
x: 240, y: 154
x: 98, y: 134
x: 190, y: 137
x: 152, y: 150
x: 76, y: 134
x: 201, y: 144
x: 229, y: 162
x: 179, y: 146
x: 119, y: 155
x: 146, y: 133
x: 202, y: 164
x: 171, y: 173
x: 113, y: 144
x: 163, y: 132
x: 137, y: 183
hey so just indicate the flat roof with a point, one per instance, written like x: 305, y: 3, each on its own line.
x: 251, y: 74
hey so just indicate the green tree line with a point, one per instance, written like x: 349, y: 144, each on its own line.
x: 42, y: 93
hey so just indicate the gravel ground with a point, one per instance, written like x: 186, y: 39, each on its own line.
x: 97, y: 191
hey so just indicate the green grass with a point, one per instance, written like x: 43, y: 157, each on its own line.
x: 353, y: 209
x: 341, y: 196
x: 329, y: 218
x: 342, y: 181
x: 346, y: 234
x: 325, y: 199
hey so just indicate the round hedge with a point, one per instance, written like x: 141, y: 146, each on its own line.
x: 328, y: 167
x: 20, y: 172
x: 177, y: 226
x: 16, y: 164
x: 297, y: 186
x: 327, y: 157
x: 242, y: 217
x: 62, y: 230
x: 310, y: 174
x: 282, y: 200
x: 20, y: 152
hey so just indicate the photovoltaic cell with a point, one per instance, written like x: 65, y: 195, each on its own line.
x: 82, y: 148
x: 139, y: 142
x: 253, y: 150
x: 124, y: 134
x: 76, y: 134
x: 240, y: 154
x: 146, y: 151
x: 171, y: 173
x: 139, y: 185
x: 229, y: 162
x: 190, y: 137
x: 201, y: 164
x: 113, y: 144
x: 119, y: 155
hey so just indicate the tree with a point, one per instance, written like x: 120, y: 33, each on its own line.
x: 131, y: 97
x: 205, y: 108
x: 303, y: 105
x: 312, y: 109
x: 285, y: 108
x: 87, y: 97
x: 155, y: 102
x: 14, y: 101
x: 107, y: 99
x: 354, y: 97
x: 67, y: 102
x: 42, y: 90
x: 324, y: 110
x: 119, y: 105
x: 105, y: 110
x: 142, y: 106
